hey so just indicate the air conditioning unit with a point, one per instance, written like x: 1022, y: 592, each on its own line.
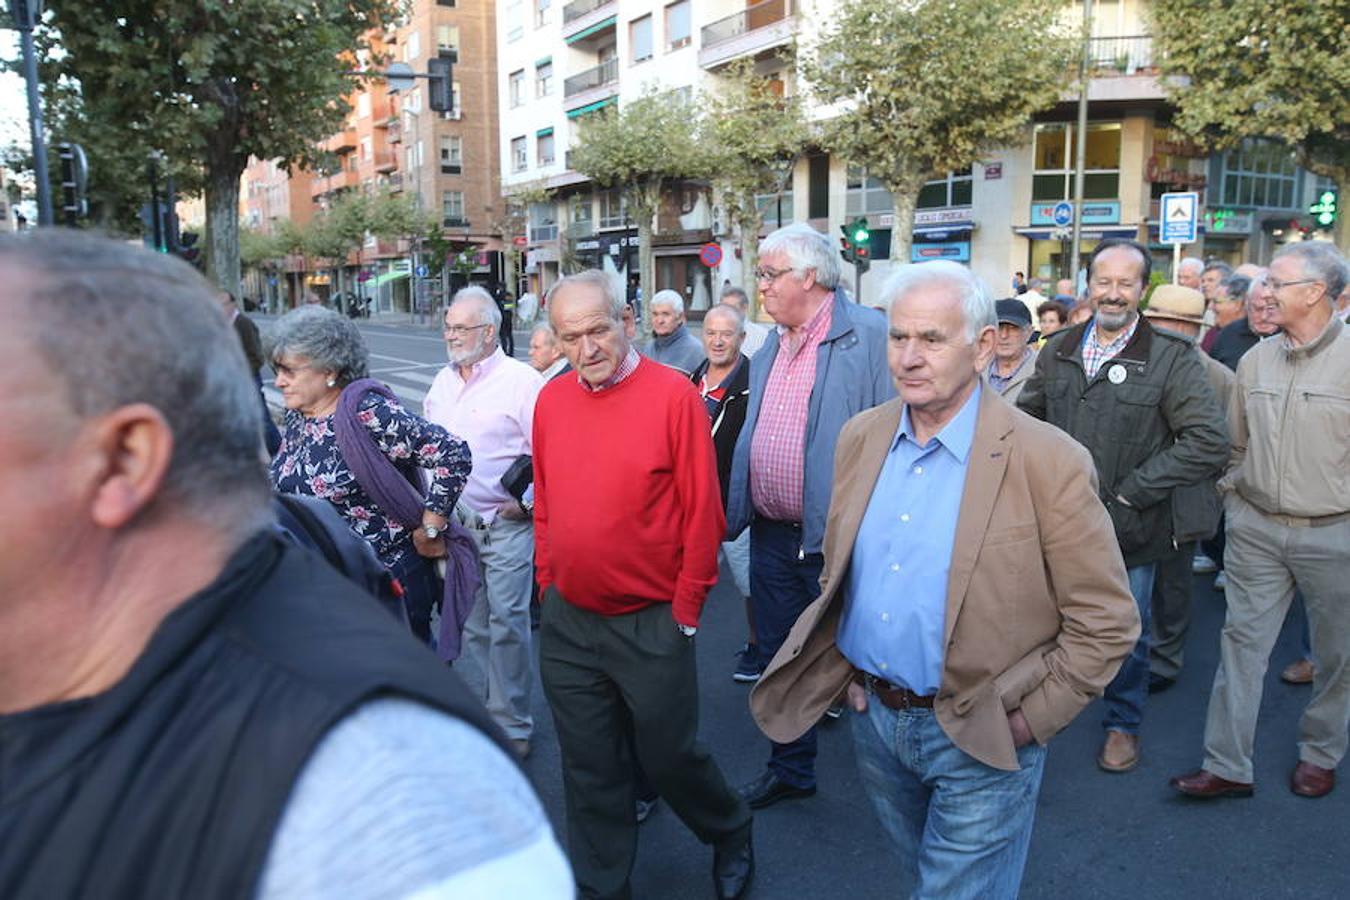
x: 719, y: 221
x: 453, y: 115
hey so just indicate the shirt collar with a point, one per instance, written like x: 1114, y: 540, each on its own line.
x: 483, y: 366
x: 957, y: 435
x: 993, y: 365
x: 626, y: 368
x: 1090, y: 337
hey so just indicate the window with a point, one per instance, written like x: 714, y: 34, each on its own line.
x: 1257, y: 173
x: 954, y: 190
x: 677, y: 25
x: 362, y: 104
x: 516, y: 87
x: 613, y: 209
x: 452, y: 154
x: 365, y: 149
x: 543, y: 78
x: 543, y: 222
x: 540, y: 13
x: 544, y: 149
x: 640, y: 38
x: 866, y: 195
x: 582, y: 216
x: 452, y: 209
x: 768, y: 208
x: 447, y: 37
x: 1054, y: 160
x: 412, y: 47
x: 410, y: 159
x: 519, y: 160
x: 449, y: 3
x: 515, y: 13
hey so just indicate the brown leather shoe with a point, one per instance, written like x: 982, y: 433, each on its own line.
x: 1120, y: 752
x: 1312, y: 781
x: 1298, y: 672
x: 1207, y: 785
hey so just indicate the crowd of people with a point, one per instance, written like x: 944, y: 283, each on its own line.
x: 957, y: 520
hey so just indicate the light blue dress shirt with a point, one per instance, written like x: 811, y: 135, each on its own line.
x: 896, y: 601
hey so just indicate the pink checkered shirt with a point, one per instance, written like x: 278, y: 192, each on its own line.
x: 627, y: 366
x: 1095, y: 355
x: 778, y: 447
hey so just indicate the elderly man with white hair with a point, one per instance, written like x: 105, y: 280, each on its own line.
x: 487, y: 398
x: 545, y: 354
x: 960, y: 659
x: 671, y: 344
x: 1189, y: 272
x: 826, y: 362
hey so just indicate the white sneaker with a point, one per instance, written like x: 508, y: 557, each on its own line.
x: 1203, y: 565
x: 1220, y: 582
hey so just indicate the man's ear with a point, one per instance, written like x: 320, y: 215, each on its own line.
x: 129, y: 451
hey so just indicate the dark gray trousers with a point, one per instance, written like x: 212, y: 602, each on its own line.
x: 607, y: 677
x: 1172, y: 589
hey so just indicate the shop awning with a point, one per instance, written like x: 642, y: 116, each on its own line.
x: 591, y: 107
x: 386, y: 277
x: 544, y: 132
x: 944, y: 232
x: 594, y: 29
x: 1090, y: 233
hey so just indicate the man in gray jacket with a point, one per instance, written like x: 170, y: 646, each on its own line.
x: 671, y: 344
x: 825, y: 363
x: 1138, y: 399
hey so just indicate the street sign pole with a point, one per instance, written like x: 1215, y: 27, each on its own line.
x: 26, y: 14
x: 1080, y: 158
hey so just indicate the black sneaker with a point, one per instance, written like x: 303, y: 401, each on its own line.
x: 747, y: 665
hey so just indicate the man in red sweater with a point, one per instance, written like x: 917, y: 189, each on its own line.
x: 623, y: 458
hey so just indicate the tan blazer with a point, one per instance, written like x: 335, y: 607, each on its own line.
x: 1046, y: 638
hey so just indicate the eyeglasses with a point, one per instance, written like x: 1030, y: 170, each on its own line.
x: 1276, y: 285
x: 460, y: 330
x: 770, y: 275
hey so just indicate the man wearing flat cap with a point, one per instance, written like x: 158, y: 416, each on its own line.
x: 1014, y: 356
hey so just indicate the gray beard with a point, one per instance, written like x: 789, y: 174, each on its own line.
x: 1113, y: 321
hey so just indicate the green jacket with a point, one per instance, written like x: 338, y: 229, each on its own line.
x: 1150, y: 420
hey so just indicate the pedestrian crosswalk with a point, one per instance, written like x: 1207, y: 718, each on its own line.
x: 409, y: 380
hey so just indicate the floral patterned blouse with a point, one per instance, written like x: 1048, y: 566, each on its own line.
x: 309, y: 462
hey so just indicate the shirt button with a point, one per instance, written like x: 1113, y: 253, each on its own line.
x: 904, y: 517
x: 895, y: 567
x: 918, y: 470
x: 885, y: 617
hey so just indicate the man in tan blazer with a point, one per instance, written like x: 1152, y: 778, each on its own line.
x: 973, y: 598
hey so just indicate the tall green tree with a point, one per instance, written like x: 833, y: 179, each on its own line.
x: 643, y: 148
x: 1263, y: 68
x: 755, y: 134
x: 929, y: 87
x: 212, y: 82
x: 337, y: 232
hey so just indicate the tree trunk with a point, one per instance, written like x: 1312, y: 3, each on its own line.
x: 748, y: 224
x: 905, y: 194
x: 222, y: 222
x: 644, y: 202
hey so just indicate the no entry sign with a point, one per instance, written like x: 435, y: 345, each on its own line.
x: 710, y: 255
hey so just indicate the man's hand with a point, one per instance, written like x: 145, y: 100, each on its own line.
x: 431, y: 548
x: 857, y: 697
x: 1021, y: 731
x: 512, y: 511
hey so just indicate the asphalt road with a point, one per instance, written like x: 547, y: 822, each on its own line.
x: 1097, y: 835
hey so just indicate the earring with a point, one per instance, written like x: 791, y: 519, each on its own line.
x: 332, y: 382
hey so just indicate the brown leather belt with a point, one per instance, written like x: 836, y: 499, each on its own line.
x: 891, y: 696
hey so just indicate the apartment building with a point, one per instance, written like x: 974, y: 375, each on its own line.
x: 559, y: 62
x: 268, y: 196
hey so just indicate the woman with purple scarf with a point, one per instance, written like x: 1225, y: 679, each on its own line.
x: 347, y: 439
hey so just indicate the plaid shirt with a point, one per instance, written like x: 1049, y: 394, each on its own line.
x: 1095, y: 355
x: 626, y: 367
x: 778, y: 446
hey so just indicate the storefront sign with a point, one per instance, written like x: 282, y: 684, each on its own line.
x: 953, y: 250
x: 1095, y: 212
x: 946, y: 216
x: 1227, y: 221
x: 993, y: 171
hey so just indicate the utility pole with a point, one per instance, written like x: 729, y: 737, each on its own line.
x: 25, y: 14
x: 1084, y: 77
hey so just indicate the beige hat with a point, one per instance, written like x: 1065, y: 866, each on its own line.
x: 1172, y: 301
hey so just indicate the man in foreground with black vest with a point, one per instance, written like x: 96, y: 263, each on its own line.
x: 190, y: 706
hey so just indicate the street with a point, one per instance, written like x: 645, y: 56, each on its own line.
x: 1097, y: 835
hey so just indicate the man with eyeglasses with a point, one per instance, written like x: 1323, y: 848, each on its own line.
x: 1139, y: 400
x: 825, y: 364
x: 487, y: 398
x: 1287, y: 499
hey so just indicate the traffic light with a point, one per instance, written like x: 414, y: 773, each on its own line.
x: 846, y: 245
x: 440, y: 81
x: 187, y: 247
x: 857, y: 241
x: 1324, y: 210
x: 860, y: 232
x: 74, y: 180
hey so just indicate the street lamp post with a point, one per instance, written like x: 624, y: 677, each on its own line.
x: 1080, y: 158
x: 25, y: 14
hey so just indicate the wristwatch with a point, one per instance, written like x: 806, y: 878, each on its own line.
x: 528, y: 506
x: 431, y: 531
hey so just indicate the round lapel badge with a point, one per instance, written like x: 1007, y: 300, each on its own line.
x: 1116, y: 374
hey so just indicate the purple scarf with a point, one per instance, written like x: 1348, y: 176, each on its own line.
x: 397, y: 494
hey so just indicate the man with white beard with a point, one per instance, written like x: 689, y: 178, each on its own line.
x: 487, y: 398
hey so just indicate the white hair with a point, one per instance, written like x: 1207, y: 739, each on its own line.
x: 977, y: 309
x: 1322, y: 262
x: 669, y: 298
x: 596, y: 279
x: 805, y: 249
x: 1192, y: 263
x: 730, y: 312
x: 488, y: 312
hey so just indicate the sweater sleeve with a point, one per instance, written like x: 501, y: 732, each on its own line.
x: 543, y: 574
x: 700, y: 497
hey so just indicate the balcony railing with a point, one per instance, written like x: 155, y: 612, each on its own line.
x: 395, y: 127
x: 395, y: 182
x: 756, y: 15
x: 1126, y: 54
x: 605, y: 73
x: 578, y: 8
x: 385, y: 161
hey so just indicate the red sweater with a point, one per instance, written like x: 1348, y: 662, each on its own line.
x: 628, y: 511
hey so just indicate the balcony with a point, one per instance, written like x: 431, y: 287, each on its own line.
x: 395, y: 127
x: 1123, y: 68
x: 342, y: 142
x: 591, y: 86
x: 585, y: 19
x: 760, y: 27
x: 385, y: 161
x: 395, y: 182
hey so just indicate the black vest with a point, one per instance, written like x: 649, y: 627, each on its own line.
x: 171, y: 783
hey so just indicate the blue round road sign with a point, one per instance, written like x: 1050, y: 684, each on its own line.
x: 1063, y: 213
x: 710, y: 255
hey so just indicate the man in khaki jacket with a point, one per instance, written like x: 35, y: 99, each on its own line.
x: 1287, y: 499
x: 937, y: 614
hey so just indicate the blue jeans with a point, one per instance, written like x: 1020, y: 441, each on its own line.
x: 1126, y: 693
x: 962, y: 827
x: 783, y: 582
